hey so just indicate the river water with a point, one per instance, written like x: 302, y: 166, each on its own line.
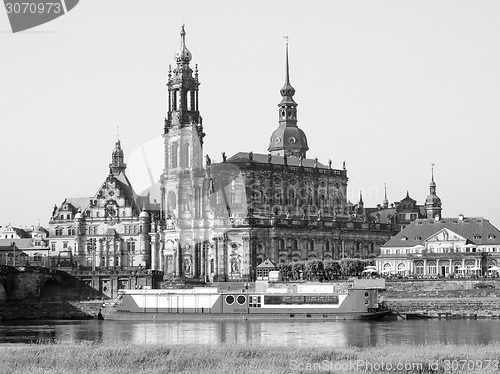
x: 304, y: 333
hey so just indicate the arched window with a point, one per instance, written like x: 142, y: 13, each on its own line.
x: 282, y: 245
x: 311, y: 245
x: 185, y: 154
x: 322, y: 200
x: 401, y: 268
x: 188, y: 100
x: 295, y: 245
x: 419, y: 268
x: 432, y: 269
x: 327, y: 246
x: 175, y: 151
x: 171, y: 201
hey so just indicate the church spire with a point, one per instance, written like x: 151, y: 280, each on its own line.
x: 385, y: 203
x: 433, y: 202
x: 288, y: 139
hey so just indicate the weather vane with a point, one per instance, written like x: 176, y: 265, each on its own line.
x: 286, y: 37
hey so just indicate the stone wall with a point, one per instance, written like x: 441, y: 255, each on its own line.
x: 439, y: 297
x: 19, y: 309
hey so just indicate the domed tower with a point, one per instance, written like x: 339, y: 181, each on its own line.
x: 288, y: 139
x: 433, y: 202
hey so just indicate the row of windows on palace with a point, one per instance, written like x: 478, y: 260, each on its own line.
x: 312, y: 246
x: 91, y: 245
x: 397, y: 251
x: 92, y: 230
x: 96, y: 215
x: 432, y: 267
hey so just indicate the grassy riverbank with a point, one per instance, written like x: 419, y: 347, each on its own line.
x: 134, y: 359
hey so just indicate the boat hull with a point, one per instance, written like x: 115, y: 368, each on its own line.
x: 115, y: 315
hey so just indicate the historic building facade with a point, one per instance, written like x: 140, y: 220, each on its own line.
x: 442, y: 247
x: 108, y: 230
x: 22, y: 245
x: 220, y: 220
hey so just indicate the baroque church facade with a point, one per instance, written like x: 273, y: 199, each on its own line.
x: 219, y: 221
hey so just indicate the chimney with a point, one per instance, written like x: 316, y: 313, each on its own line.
x: 460, y: 217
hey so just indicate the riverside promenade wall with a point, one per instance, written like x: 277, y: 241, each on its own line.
x: 444, y: 297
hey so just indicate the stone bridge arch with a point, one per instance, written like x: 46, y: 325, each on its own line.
x: 49, y: 288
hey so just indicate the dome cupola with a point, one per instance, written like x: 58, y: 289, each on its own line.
x: 183, y: 54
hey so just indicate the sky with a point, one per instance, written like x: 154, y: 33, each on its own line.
x: 389, y: 87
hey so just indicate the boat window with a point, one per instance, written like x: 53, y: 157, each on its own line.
x: 241, y: 299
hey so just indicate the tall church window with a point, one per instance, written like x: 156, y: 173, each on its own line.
x: 188, y: 100
x: 171, y: 201
x: 185, y: 154
x: 175, y: 148
x: 197, y: 202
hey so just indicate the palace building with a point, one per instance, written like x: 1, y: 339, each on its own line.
x: 107, y: 230
x: 442, y: 247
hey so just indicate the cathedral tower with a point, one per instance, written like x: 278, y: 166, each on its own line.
x: 288, y: 139
x: 183, y: 183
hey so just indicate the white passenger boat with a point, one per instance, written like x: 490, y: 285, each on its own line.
x: 356, y: 299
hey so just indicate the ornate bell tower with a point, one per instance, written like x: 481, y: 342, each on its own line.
x: 433, y: 202
x: 288, y: 139
x: 183, y: 179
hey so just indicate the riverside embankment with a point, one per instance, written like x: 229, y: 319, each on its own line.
x: 435, y: 297
x: 445, y: 297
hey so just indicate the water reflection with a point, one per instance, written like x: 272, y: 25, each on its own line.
x: 304, y: 333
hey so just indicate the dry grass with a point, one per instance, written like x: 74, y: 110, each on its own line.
x: 124, y: 359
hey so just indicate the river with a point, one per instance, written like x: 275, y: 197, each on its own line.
x: 304, y: 333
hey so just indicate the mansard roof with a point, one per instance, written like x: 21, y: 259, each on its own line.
x: 477, y: 230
